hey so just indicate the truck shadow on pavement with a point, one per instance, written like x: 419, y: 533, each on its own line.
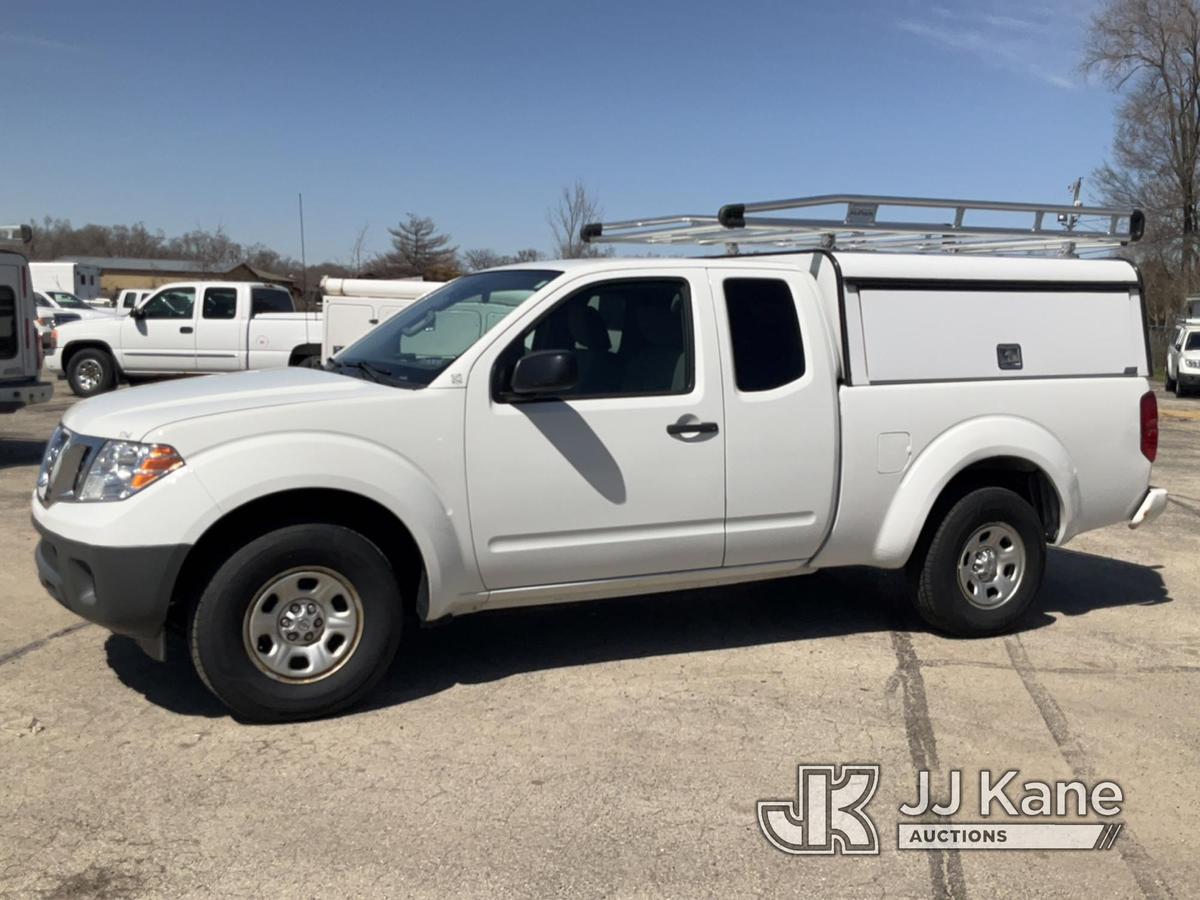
x: 18, y: 452
x: 488, y: 647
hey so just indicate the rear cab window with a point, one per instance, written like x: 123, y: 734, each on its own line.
x: 270, y: 300
x: 768, y: 351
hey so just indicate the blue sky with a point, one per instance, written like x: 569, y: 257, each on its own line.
x: 203, y: 114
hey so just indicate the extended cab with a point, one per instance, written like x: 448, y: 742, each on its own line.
x: 591, y: 428
x: 188, y: 328
x: 20, y: 344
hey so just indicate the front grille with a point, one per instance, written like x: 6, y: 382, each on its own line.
x: 64, y: 464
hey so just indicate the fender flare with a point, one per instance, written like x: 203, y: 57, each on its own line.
x: 359, y: 467
x: 957, y: 448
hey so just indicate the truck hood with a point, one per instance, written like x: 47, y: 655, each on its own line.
x: 131, y: 414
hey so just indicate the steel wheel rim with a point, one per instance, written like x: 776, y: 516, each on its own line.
x: 303, y: 625
x: 89, y: 374
x: 991, y: 565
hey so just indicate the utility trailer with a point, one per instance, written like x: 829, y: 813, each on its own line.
x: 354, y: 306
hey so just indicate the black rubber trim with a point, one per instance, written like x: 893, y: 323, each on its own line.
x: 732, y: 215
x: 590, y: 231
x: 125, y: 589
x: 968, y: 284
x: 1137, y: 225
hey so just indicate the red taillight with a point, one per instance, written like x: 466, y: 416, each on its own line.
x: 1149, y: 423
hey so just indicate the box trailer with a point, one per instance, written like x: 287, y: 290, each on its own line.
x: 74, y: 278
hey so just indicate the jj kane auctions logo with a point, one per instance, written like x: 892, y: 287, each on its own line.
x: 828, y: 814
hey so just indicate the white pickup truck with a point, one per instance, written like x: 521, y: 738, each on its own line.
x: 20, y: 343
x: 591, y: 428
x: 188, y: 328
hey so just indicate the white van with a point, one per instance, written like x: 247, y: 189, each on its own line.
x: 354, y: 306
x: 20, y: 342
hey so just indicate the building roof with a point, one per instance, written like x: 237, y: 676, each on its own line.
x: 172, y: 266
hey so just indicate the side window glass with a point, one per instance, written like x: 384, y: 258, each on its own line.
x: 630, y: 338
x: 8, y: 323
x: 172, y: 303
x: 269, y: 300
x: 220, y: 303
x: 764, y: 332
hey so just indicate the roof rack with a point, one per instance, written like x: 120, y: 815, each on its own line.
x: 856, y: 224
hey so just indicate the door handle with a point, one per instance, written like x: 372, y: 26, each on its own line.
x: 185, y: 329
x: 692, y: 428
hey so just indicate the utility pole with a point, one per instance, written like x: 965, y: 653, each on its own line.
x: 303, y: 260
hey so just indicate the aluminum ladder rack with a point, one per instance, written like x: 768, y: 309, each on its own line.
x: 853, y: 222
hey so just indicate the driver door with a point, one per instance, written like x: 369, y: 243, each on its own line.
x: 161, y: 337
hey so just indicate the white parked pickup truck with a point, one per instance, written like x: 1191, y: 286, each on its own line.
x: 590, y: 428
x: 187, y: 329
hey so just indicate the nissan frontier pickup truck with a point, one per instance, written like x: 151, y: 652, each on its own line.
x: 579, y: 429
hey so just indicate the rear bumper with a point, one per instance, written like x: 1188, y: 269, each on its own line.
x: 125, y: 589
x: 1150, y: 508
x: 17, y: 396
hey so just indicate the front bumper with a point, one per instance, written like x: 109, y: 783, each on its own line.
x: 17, y: 396
x: 1151, y: 507
x: 125, y: 589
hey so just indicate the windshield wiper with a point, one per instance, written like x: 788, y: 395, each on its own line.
x: 374, y: 373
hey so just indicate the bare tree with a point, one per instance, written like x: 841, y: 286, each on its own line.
x: 485, y: 258
x: 1148, y: 51
x: 357, y: 250
x: 575, y: 208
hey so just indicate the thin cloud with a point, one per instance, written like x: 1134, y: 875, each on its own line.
x: 29, y: 40
x: 1016, y: 55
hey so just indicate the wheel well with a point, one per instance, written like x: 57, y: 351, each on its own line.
x: 75, y: 346
x: 302, y: 352
x: 236, y: 528
x: 1020, y: 476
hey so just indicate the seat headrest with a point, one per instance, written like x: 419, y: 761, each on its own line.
x: 587, y: 327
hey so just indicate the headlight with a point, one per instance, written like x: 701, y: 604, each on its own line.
x: 1192, y: 363
x: 50, y: 460
x: 122, y: 468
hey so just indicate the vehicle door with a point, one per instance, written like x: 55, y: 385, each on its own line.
x: 160, y: 336
x: 17, y: 353
x: 220, y: 330
x: 781, y: 427
x: 624, y: 474
x: 1173, y: 352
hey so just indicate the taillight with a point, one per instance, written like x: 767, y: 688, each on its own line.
x: 1149, y: 424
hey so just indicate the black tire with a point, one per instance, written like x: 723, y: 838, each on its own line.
x: 312, y: 361
x: 1168, y: 384
x: 940, y: 599
x: 1180, y: 390
x: 91, y: 372
x: 219, y: 624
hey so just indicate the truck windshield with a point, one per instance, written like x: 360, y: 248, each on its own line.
x: 67, y: 301
x: 1193, y: 341
x: 417, y: 344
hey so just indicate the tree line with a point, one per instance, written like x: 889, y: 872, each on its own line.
x: 418, y: 248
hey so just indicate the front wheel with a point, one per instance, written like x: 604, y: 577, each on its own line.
x: 1168, y: 384
x: 1180, y: 390
x: 983, y: 566
x: 91, y: 372
x: 299, y: 623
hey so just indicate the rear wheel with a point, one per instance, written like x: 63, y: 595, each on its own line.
x: 312, y: 361
x: 299, y: 623
x: 91, y: 371
x: 983, y: 566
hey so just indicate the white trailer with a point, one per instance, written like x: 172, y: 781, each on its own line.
x: 67, y: 277
x: 353, y: 306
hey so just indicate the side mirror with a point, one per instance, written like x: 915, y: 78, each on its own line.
x: 136, y: 312
x: 544, y: 374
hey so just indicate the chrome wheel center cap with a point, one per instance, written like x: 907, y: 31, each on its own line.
x: 984, y: 564
x: 302, y: 622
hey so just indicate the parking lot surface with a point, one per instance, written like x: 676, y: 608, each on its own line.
x: 614, y: 748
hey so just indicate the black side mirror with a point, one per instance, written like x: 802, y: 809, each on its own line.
x: 137, y: 312
x: 544, y: 374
